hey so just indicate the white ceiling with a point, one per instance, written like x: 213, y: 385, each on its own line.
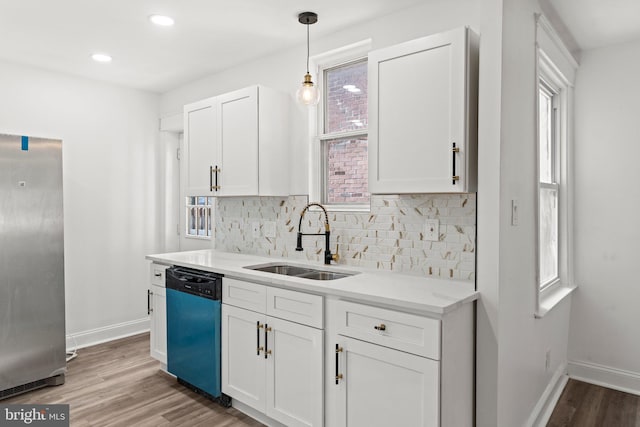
x: 209, y: 35
x: 212, y: 35
x: 597, y: 23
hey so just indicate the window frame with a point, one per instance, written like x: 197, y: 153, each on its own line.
x: 209, y: 209
x: 553, y: 91
x: 317, y: 166
x: 556, y: 68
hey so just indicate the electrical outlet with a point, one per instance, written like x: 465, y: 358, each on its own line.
x: 269, y: 228
x: 547, y: 360
x: 432, y: 230
x: 255, y: 229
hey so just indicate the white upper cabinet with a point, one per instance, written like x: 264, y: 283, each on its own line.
x: 236, y: 144
x: 423, y: 115
x: 239, y: 143
x: 201, y: 146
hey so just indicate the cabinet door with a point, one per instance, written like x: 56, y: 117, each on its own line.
x: 417, y: 111
x: 238, y: 135
x: 384, y: 387
x: 158, y: 319
x: 294, y: 373
x: 243, y: 362
x: 200, y: 147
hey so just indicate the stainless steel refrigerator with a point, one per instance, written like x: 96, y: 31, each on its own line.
x: 32, y: 328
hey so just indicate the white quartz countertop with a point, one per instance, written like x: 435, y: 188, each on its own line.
x: 407, y: 292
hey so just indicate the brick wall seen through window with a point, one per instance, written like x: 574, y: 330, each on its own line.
x: 345, y: 156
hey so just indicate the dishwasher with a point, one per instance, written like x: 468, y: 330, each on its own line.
x: 193, y: 330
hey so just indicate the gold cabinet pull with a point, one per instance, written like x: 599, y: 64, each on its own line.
x: 267, y: 352
x: 380, y: 327
x: 455, y: 177
x: 213, y: 170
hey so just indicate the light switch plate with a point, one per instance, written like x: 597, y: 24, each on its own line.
x: 269, y: 229
x: 432, y: 230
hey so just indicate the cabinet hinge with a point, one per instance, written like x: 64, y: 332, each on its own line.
x: 178, y: 153
x: 178, y: 229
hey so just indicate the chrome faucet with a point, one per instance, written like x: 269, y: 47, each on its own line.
x: 328, y: 257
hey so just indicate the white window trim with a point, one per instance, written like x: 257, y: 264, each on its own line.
x: 211, y: 220
x: 333, y: 58
x: 555, y: 65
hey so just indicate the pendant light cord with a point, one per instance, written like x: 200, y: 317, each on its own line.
x: 307, y: 48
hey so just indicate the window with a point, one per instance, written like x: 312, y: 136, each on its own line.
x: 340, y: 156
x: 555, y: 75
x: 199, y: 217
x: 548, y: 187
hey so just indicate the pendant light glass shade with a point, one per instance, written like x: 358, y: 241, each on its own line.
x: 308, y: 93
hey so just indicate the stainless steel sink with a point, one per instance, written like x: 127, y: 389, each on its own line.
x: 323, y: 275
x: 289, y: 270
x: 302, y: 272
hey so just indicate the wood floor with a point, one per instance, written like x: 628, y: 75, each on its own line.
x: 119, y: 384
x: 588, y: 405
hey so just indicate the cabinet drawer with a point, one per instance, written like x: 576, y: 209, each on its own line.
x: 402, y: 331
x: 298, y: 307
x: 244, y: 294
x: 158, y: 274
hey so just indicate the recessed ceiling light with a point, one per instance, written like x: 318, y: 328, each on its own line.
x: 165, y: 21
x: 101, y: 57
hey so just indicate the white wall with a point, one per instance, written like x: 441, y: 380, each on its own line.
x: 511, y: 374
x: 604, y: 345
x: 109, y: 143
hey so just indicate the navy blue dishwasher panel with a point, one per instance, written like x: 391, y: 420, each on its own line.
x: 193, y: 340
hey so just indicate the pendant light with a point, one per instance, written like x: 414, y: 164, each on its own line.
x: 308, y: 93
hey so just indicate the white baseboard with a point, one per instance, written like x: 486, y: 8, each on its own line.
x: 605, y: 376
x: 107, y: 333
x: 547, y: 402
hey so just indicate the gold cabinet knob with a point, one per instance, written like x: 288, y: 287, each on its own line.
x: 380, y: 327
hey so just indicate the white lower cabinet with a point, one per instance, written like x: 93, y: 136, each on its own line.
x: 294, y: 373
x: 158, y: 327
x: 391, y: 368
x: 383, y: 387
x: 157, y: 310
x: 271, y: 364
x: 243, y: 363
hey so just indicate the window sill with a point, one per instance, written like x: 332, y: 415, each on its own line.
x: 551, y: 298
x: 191, y: 236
